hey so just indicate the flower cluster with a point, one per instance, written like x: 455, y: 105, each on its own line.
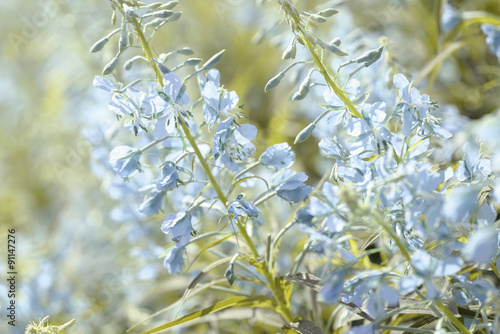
x: 388, y: 189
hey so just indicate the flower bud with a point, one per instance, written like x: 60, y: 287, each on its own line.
x: 122, y: 43
x: 305, y: 133
x: 163, y: 69
x: 185, y: 51
x: 174, y: 17
x: 169, y: 5
x: 213, y: 61
x: 302, y: 92
x: 128, y: 64
x: 328, y: 12
x: 192, y: 61
x: 370, y: 57
x: 230, y: 274
x: 130, y: 39
x: 153, y: 5
x: 333, y: 48
x: 162, y: 14
x: 336, y: 41
x: 290, y: 51
x: 110, y: 66
x: 154, y: 23
x: 274, y: 81
x: 99, y: 44
x: 318, y: 18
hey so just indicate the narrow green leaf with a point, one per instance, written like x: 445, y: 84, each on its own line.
x: 258, y: 301
x: 207, y: 247
x: 198, y: 278
x: 305, y: 327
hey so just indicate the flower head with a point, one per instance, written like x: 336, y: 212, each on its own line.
x: 169, y: 178
x: 291, y: 187
x: 169, y: 105
x: 240, y: 207
x: 233, y: 142
x: 174, y: 260
x: 124, y: 160
x: 278, y: 156
x: 218, y: 101
x: 178, y: 225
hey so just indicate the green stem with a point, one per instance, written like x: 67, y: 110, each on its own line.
x: 147, y: 51
x: 454, y: 320
x: 406, y: 329
x: 319, y: 64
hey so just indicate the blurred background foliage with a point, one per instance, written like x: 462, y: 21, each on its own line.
x: 73, y: 260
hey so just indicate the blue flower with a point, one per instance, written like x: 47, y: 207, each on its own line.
x: 369, y: 132
x: 450, y: 18
x: 473, y: 168
x: 152, y: 204
x: 240, y: 207
x: 333, y: 287
x: 136, y: 105
x: 384, y: 296
x: 492, y: 38
x: 124, y: 160
x: 291, y: 187
x: 415, y: 109
x: 170, y: 103
x: 356, y: 170
x: 233, y: 142
x: 218, y: 102
x: 169, y: 178
x: 366, y: 329
x: 178, y: 225
x: 336, y: 116
x: 461, y: 202
x: 333, y: 148
x: 427, y: 268
x: 127, y: 103
x: 105, y: 84
x: 278, y: 156
x: 482, y: 246
x: 174, y: 260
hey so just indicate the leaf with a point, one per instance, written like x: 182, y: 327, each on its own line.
x: 198, y: 278
x: 313, y: 282
x: 208, y: 246
x: 307, y: 279
x: 305, y: 327
x: 258, y: 301
x: 199, y: 289
x: 265, y: 316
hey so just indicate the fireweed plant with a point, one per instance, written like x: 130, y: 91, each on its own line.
x: 389, y: 190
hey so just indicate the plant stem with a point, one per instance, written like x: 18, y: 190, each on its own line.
x: 318, y: 62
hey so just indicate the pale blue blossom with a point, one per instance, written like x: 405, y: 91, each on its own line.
x: 472, y: 167
x: 291, y: 187
x: 124, y: 160
x: 278, y: 156
x: 169, y: 107
x: 233, y: 142
x: 174, y: 260
x: 178, y: 225
x: 152, y: 204
x: 240, y: 207
x: 218, y: 101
